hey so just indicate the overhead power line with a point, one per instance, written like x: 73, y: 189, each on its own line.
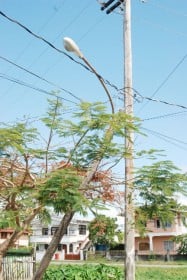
x: 164, y: 116
x: 42, y: 39
x: 39, y: 77
x: 22, y: 83
x: 136, y: 94
x: 55, y: 48
x: 166, y: 79
x: 167, y: 139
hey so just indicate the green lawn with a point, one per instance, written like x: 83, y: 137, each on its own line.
x: 161, y: 273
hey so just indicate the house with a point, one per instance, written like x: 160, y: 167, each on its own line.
x: 72, y: 245
x: 158, y: 240
x: 23, y: 241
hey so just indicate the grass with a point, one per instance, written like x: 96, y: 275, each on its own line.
x: 159, y: 273
x: 179, y: 262
x: 102, y: 259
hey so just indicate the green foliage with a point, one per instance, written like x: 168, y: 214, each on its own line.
x: 44, y: 216
x: 53, y: 116
x: 16, y: 138
x: 97, y: 134
x: 157, y: 185
x: 106, y: 272
x: 7, y: 219
x: 182, y: 241
x: 61, y: 190
x: 24, y: 251
x: 84, y: 272
x: 103, y: 230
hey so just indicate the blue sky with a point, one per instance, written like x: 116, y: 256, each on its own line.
x: 159, y: 49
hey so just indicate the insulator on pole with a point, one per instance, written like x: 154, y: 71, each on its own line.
x: 114, y: 6
x: 105, y: 5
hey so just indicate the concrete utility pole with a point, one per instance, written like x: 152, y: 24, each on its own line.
x: 129, y: 145
x: 129, y: 214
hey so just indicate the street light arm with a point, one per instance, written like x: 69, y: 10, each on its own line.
x: 101, y: 81
x: 71, y: 46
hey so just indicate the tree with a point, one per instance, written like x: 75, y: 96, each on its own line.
x: 103, y: 230
x: 22, y: 168
x: 17, y: 183
x: 94, y: 132
x: 182, y: 241
x: 157, y: 186
x: 37, y: 171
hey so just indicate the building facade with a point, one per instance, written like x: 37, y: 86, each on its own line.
x: 23, y: 241
x: 71, y: 247
x: 159, y: 238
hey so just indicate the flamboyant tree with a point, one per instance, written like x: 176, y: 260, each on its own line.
x: 60, y: 167
x: 96, y: 141
x: 17, y: 183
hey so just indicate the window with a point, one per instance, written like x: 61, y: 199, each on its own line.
x: 144, y: 246
x: 167, y: 224
x: 40, y: 247
x: 3, y: 235
x: 72, y: 231
x: 66, y: 231
x: 82, y: 229
x: 157, y: 224
x: 45, y: 231
x: 59, y: 247
x: 71, y: 248
x: 53, y: 230
x: 168, y: 245
x: 46, y: 246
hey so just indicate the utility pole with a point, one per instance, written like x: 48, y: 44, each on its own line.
x: 129, y: 220
x: 129, y: 145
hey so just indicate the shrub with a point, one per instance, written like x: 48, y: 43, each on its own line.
x: 84, y: 272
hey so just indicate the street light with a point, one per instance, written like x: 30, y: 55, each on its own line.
x: 71, y: 46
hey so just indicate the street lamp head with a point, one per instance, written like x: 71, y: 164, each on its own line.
x: 71, y: 46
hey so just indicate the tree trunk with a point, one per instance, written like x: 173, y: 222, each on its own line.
x: 53, y: 245
x: 64, y: 223
x: 9, y: 242
x: 6, y: 245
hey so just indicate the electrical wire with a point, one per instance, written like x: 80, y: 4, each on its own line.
x: 166, y: 138
x: 39, y: 77
x: 42, y: 39
x: 164, y: 116
x: 137, y: 93
x: 22, y: 83
x: 55, y: 11
x: 165, y: 81
x: 60, y: 34
x: 55, y: 48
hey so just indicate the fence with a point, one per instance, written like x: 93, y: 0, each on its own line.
x: 18, y: 268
